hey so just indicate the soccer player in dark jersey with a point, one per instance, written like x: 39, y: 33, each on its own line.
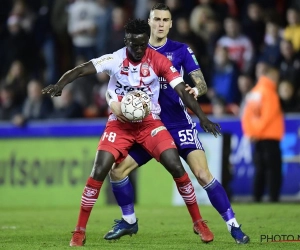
x: 119, y: 137
x: 179, y: 123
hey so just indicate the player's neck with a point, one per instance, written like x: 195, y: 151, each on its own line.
x: 156, y: 42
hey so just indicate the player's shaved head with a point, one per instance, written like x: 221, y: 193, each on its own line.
x: 160, y: 6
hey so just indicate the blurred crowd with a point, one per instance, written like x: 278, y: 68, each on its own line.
x: 233, y: 40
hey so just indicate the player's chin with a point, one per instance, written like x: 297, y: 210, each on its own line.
x: 138, y: 57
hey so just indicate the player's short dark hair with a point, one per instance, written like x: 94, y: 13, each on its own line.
x: 136, y: 26
x: 160, y: 6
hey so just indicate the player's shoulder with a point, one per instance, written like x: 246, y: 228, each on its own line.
x: 109, y: 59
x: 154, y: 55
x: 177, y: 45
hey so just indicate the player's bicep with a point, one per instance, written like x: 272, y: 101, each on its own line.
x: 180, y: 88
x: 105, y: 63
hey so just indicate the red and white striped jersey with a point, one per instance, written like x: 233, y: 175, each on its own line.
x: 126, y: 75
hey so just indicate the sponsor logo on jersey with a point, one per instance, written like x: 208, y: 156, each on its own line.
x: 190, y: 50
x: 124, y: 70
x: 89, y: 192
x: 172, y: 68
x: 163, y: 86
x: 155, y: 131
x: 103, y: 59
x: 169, y: 55
x: 195, y: 59
x: 134, y: 70
x: 162, y: 79
x: 121, y: 90
x: 187, y: 189
x: 145, y: 69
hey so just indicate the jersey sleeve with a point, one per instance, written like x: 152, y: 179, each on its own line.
x: 169, y: 72
x: 105, y: 63
x: 189, y: 61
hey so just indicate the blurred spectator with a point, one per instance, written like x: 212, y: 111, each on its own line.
x: 270, y: 52
x: 59, y: 24
x: 142, y: 8
x: 66, y: 107
x: 263, y: 124
x: 214, y: 31
x: 82, y: 27
x: 19, y: 45
x: 223, y: 8
x: 199, y: 19
x: 8, y: 105
x: 254, y: 25
x: 103, y: 22
x: 288, y: 99
x: 218, y: 107
x: 290, y: 64
x: 178, y: 10
x: 17, y: 78
x: 260, y: 69
x: 44, y: 38
x: 116, y: 33
x: 27, y: 17
x: 36, y: 105
x: 224, y: 77
x: 245, y: 84
x: 292, y: 31
x: 239, y: 46
x: 185, y: 35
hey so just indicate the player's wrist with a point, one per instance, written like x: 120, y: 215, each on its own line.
x: 196, y: 91
x: 110, y: 101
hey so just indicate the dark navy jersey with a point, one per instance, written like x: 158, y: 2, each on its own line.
x: 173, y: 111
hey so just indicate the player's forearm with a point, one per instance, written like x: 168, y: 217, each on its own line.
x: 79, y: 71
x: 108, y: 98
x: 190, y: 102
x: 199, y: 82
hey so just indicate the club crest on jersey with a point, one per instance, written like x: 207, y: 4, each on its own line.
x: 89, y: 192
x: 187, y: 189
x: 145, y: 69
x: 124, y: 70
x: 169, y: 55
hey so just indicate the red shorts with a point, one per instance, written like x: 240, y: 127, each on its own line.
x: 118, y: 137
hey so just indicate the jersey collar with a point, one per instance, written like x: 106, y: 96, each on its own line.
x: 158, y: 47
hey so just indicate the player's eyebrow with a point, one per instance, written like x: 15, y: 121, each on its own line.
x: 164, y: 19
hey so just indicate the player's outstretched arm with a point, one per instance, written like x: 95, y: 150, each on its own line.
x: 189, y: 101
x: 79, y: 71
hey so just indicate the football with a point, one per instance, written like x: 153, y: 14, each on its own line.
x: 136, y: 105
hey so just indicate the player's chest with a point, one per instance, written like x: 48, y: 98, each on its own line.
x: 136, y: 75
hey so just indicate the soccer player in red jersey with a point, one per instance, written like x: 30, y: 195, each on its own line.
x: 134, y: 67
x: 179, y: 123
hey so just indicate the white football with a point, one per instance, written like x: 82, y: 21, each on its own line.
x: 136, y: 105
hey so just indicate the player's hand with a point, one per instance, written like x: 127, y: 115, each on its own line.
x: 210, y: 127
x: 191, y: 91
x: 116, y: 110
x: 53, y: 90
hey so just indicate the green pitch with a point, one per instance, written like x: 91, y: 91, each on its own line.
x: 159, y: 227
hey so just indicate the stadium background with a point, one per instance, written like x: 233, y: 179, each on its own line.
x: 45, y: 158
